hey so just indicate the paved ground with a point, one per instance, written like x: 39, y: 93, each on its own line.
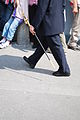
x: 27, y: 94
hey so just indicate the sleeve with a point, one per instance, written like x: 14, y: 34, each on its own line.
x: 40, y: 13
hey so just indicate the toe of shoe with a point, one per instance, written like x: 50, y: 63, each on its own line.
x: 27, y: 60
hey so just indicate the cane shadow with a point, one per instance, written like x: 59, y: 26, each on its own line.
x: 17, y: 63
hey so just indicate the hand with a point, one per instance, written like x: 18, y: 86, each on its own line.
x: 75, y: 10
x: 32, y: 30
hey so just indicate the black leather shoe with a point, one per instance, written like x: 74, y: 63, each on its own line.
x: 77, y: 47
x: 27, y: 60
x: 59, y: 73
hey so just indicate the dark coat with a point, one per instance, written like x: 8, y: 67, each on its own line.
x: 49, y: 17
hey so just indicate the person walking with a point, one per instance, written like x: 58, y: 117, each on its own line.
x: 75, y: 33
x: 49, y: 19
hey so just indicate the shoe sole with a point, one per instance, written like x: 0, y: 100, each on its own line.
x: 61, y: 75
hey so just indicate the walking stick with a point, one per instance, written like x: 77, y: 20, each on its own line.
x: 27, y: 22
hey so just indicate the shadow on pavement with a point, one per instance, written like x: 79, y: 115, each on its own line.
x: 17, y: 63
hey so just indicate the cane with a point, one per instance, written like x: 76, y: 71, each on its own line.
x: 27, y: 22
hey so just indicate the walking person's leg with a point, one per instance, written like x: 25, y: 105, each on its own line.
x: 34, y: 58
x: 75, y: 32
x: 58, y: 53
x: 63, y: 41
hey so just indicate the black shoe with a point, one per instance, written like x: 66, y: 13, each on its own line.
x: 71, y: 47
x: 77, y: 47
x: 59, y: 73
x: 27, y: 60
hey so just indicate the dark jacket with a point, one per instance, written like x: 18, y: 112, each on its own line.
x: 49, y: 16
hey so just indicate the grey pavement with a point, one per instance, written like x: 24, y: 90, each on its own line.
x: 34, y: 94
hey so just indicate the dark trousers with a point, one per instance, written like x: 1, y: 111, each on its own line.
x: 54, y: 43
x: 5, y: 13
x: 32, y: 11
